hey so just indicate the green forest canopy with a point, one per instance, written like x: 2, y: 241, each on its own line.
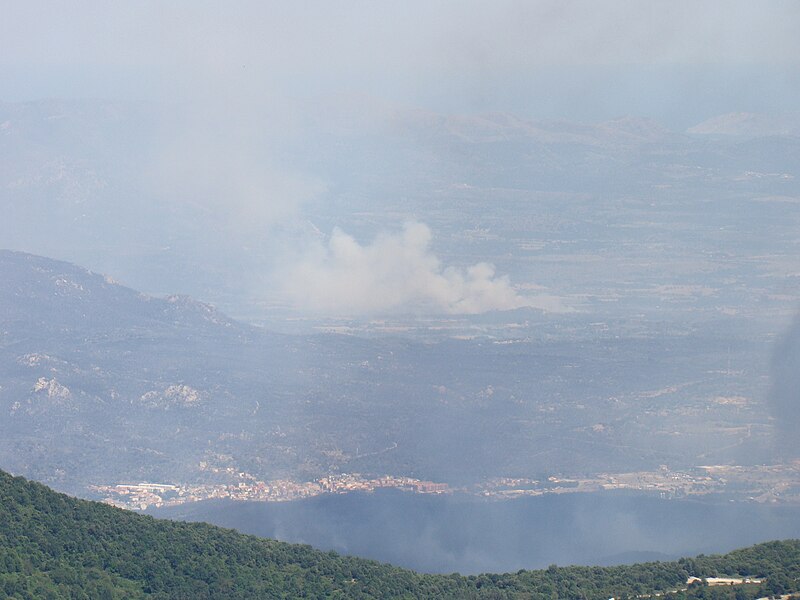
x: 53, y: 546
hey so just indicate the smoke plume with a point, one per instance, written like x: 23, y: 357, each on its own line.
x: 784, y: 396
x: 398, y: 273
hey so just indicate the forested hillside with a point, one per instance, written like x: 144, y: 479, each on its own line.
x: 54, y: 546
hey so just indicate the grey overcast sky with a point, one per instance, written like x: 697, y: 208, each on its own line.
x: 460, y: 55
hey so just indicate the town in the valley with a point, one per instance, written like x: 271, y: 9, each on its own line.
x: 761, y: 483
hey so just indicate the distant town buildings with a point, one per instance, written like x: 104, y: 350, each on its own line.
x: 764, y: 483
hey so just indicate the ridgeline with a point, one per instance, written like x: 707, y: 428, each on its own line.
x: 53, y: 546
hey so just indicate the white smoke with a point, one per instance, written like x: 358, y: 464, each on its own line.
x: 397, y: 273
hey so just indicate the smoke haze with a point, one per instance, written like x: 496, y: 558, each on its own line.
x: 567, y: 59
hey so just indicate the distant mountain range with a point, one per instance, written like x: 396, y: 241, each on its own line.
x: 130, y: 189
x: 749, y: 124
x: 53, y: 546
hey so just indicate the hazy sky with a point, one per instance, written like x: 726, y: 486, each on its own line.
x: 509, y: 55
x: 236, y: 71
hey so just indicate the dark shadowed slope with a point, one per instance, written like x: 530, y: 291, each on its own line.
x: 469, y: 534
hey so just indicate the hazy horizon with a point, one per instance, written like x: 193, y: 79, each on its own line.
x: 673, y: 61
